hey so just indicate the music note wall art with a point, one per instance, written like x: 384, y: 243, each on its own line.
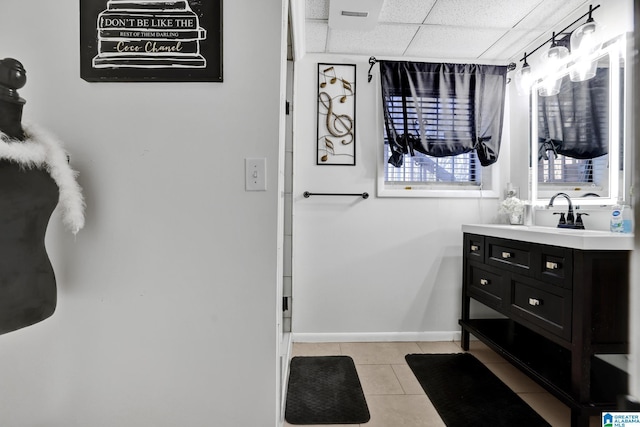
x: 336, y: 132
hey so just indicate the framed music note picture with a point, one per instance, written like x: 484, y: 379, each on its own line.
x: 336, y: 144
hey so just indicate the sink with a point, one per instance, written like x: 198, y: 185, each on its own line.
x: 584, y: 232
x: 565, y: 237
x: 574, y: 231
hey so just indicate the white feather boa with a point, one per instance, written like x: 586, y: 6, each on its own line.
x: 42, y: 150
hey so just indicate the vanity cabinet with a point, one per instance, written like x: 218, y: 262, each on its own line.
x: 556, y: 309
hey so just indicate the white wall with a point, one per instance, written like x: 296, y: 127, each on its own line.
x: 375, y: 269
x: 168, y: 299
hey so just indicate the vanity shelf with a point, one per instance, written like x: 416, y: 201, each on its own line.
x: 549, y: 364
x: 556, y: 308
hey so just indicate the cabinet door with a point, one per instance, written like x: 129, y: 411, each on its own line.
x: 474, y: 247
x: 556, y: 266
x: 486, y: 285
x: 510, y: 255
x: 540, y: 305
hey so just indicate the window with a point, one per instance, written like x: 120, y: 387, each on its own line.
x: 440, y: 118
x: 419, y: 169
x: 442, y: 124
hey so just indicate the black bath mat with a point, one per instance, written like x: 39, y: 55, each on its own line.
x: 325, y: 390
x: 466, y: 393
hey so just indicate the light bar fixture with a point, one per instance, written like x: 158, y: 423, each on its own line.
x: 584, y: 38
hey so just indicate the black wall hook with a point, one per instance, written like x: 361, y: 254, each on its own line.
x: 372, y: 62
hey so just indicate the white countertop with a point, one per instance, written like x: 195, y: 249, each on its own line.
x: 568, y: 238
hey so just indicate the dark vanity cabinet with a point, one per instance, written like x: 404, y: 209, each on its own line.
x: 556, y: 309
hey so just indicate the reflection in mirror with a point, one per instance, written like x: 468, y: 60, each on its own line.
x: 577, y: 134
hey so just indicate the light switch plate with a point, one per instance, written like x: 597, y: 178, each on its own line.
x: 255, y: 174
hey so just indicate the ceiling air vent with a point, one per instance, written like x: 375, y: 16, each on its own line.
x: 354, y: 14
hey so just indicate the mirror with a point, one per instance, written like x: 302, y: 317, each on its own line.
x: 578, y: 133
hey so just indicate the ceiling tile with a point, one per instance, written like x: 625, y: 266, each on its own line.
x: 407, y: 11
x: 433, y: 41
x: 316, y: 36
x: 317, y: 9
x: 480, y: 14
x: 385, y: 39
x: 550, y: 14
x: 497, y: 31
x: 510, y: 47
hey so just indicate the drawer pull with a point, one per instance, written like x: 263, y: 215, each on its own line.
x: 484, y: 282
x: 552, y: 265
x: 475, y: 248
x: 506, y: 255
x: 534, y: 301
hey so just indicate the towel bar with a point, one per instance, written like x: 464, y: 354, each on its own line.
x: 364, y: 195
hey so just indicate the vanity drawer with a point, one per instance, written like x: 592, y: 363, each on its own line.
x: 556, y: 266
x: 474, y: 247
x: 541, y: 305
x: 486, y: 286
x: 509, y: 254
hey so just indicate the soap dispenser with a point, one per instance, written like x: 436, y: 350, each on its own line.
x: 616, y: 219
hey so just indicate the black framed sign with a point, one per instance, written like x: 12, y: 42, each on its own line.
x: 151, y: 40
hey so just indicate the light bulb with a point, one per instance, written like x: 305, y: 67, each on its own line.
x: 552, y: 60
x: 583, y: 69
x: 550, y: 87
x: 585, y: 40
x: 524, y: 79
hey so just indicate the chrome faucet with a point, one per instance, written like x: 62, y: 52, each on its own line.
x: 570, y: 217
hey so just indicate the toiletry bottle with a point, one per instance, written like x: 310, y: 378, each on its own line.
x: 615, y: 224
x: 627, y: 219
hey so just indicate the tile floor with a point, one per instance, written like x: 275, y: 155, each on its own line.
x: 396, y: 399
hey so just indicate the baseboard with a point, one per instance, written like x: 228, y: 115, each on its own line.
x: 376, y: 336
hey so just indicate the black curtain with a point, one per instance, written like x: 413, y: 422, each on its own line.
x: 575, y: 122
x: 472, y: 94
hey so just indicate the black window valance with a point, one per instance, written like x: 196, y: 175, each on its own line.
x: 575, y: 122
x: 446, y: 109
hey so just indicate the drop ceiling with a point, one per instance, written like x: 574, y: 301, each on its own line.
x: 490, y: 31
